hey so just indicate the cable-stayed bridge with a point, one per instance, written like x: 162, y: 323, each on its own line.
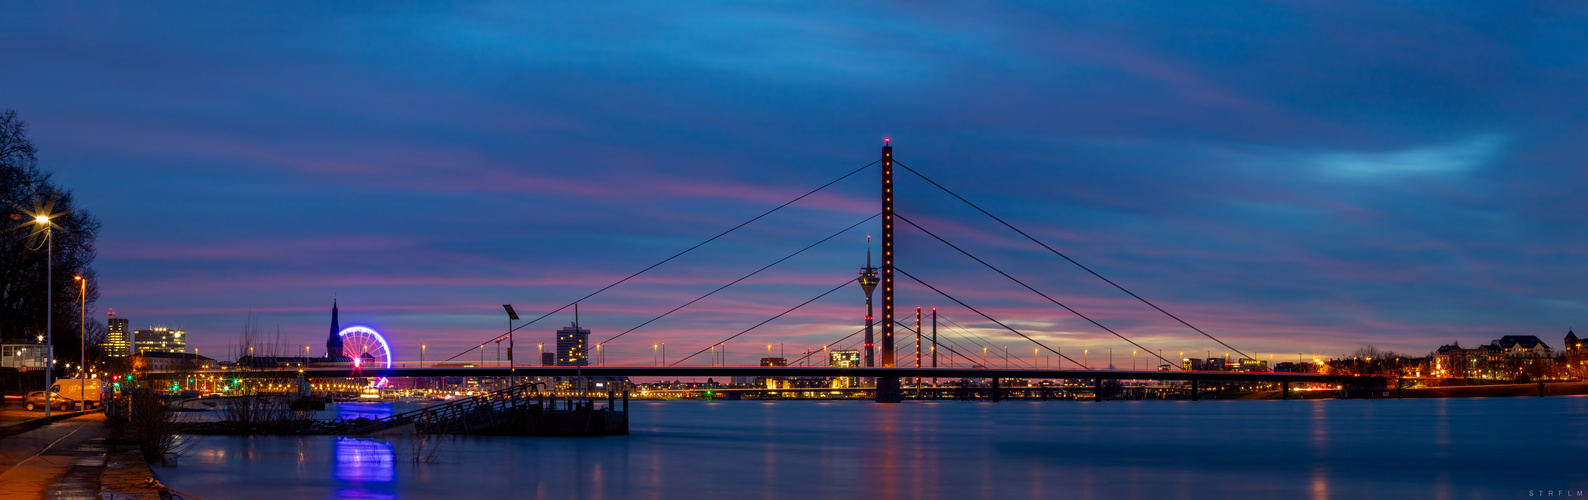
x: 880, y: 342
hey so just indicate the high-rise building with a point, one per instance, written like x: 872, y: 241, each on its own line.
x: 572, y: 344
x: 160, y: 339
x: 116, y: 342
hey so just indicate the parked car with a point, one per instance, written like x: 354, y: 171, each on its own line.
x: 35, y: 401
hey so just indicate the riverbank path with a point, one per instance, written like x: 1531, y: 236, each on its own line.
x: 64, y: 460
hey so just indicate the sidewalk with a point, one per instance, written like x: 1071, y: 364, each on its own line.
x: 68, y: 460
x: 17, y: 421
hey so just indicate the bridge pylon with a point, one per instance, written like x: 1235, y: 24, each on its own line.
x: 887, y: 387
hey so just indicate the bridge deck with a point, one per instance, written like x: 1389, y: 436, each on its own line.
x: 759, y: 371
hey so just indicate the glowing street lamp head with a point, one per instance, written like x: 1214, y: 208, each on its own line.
x: 42, y: 219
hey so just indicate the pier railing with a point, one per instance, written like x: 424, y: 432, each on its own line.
x: 486, y: 413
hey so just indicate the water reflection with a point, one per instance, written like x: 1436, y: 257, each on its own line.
x: 350, y: 411
x: 370, y: 465
x: 802, y: 451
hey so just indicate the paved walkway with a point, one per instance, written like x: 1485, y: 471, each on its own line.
x: 67, y: 460
x: 11, y: 413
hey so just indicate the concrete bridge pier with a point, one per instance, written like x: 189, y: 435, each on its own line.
x: 1196, y: 390
x: 1284, y: 391
x: 995, y: 390
x: 888, y: 390
x: 1097, y: 389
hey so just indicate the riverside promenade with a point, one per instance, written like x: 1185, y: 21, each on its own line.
x: 67, y: 459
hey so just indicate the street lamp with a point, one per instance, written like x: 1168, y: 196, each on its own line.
x: 43, y: 220
x: 82, y: 342
x: 511, y: 316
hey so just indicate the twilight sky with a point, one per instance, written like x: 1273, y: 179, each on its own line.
x: 1294, y: 177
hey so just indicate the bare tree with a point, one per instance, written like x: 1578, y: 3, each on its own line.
x: 25, y: 261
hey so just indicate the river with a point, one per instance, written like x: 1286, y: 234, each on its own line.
x: 1425, y: 448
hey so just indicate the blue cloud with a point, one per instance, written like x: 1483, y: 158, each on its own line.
x: 1450, y: 158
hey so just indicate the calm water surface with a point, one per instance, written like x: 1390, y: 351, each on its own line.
x: 1437, y: 449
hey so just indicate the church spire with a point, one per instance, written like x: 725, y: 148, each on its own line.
x: 333, y: 342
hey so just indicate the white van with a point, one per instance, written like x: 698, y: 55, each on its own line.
x: 89, y: 392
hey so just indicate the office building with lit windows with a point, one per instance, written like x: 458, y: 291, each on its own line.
x: 572, y: 344
x: 160, y: 339
x: 117, y: 344
x: 844, y: 359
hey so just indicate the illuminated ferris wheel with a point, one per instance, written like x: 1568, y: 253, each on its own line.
x: 368, y: 350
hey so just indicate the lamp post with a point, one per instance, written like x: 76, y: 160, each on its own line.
x: 511, y: 316
x: 82, y: 342
x: 49, y: 276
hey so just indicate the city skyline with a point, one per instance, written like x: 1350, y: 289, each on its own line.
x: 1423, y: 195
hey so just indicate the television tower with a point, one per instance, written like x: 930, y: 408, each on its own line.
x: 868, y: 282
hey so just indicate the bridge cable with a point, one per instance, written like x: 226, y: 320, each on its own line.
x: 949, y: 349
x: 687, y: 250
x: 956, y: 326
x: 1066, y: 257
x: 1033, y: 290
x: 829, y: 344
x: 978, y: 364
x: 989, y: 318
x: 946, y: 338
x: 847, y: 282
x: 975, y: 339
x: 745, y: 277
x: 862, y: 329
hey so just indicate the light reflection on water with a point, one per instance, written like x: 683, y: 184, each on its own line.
x: 366, y: 467
x: 807, y: 450
x: 364, y: 461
